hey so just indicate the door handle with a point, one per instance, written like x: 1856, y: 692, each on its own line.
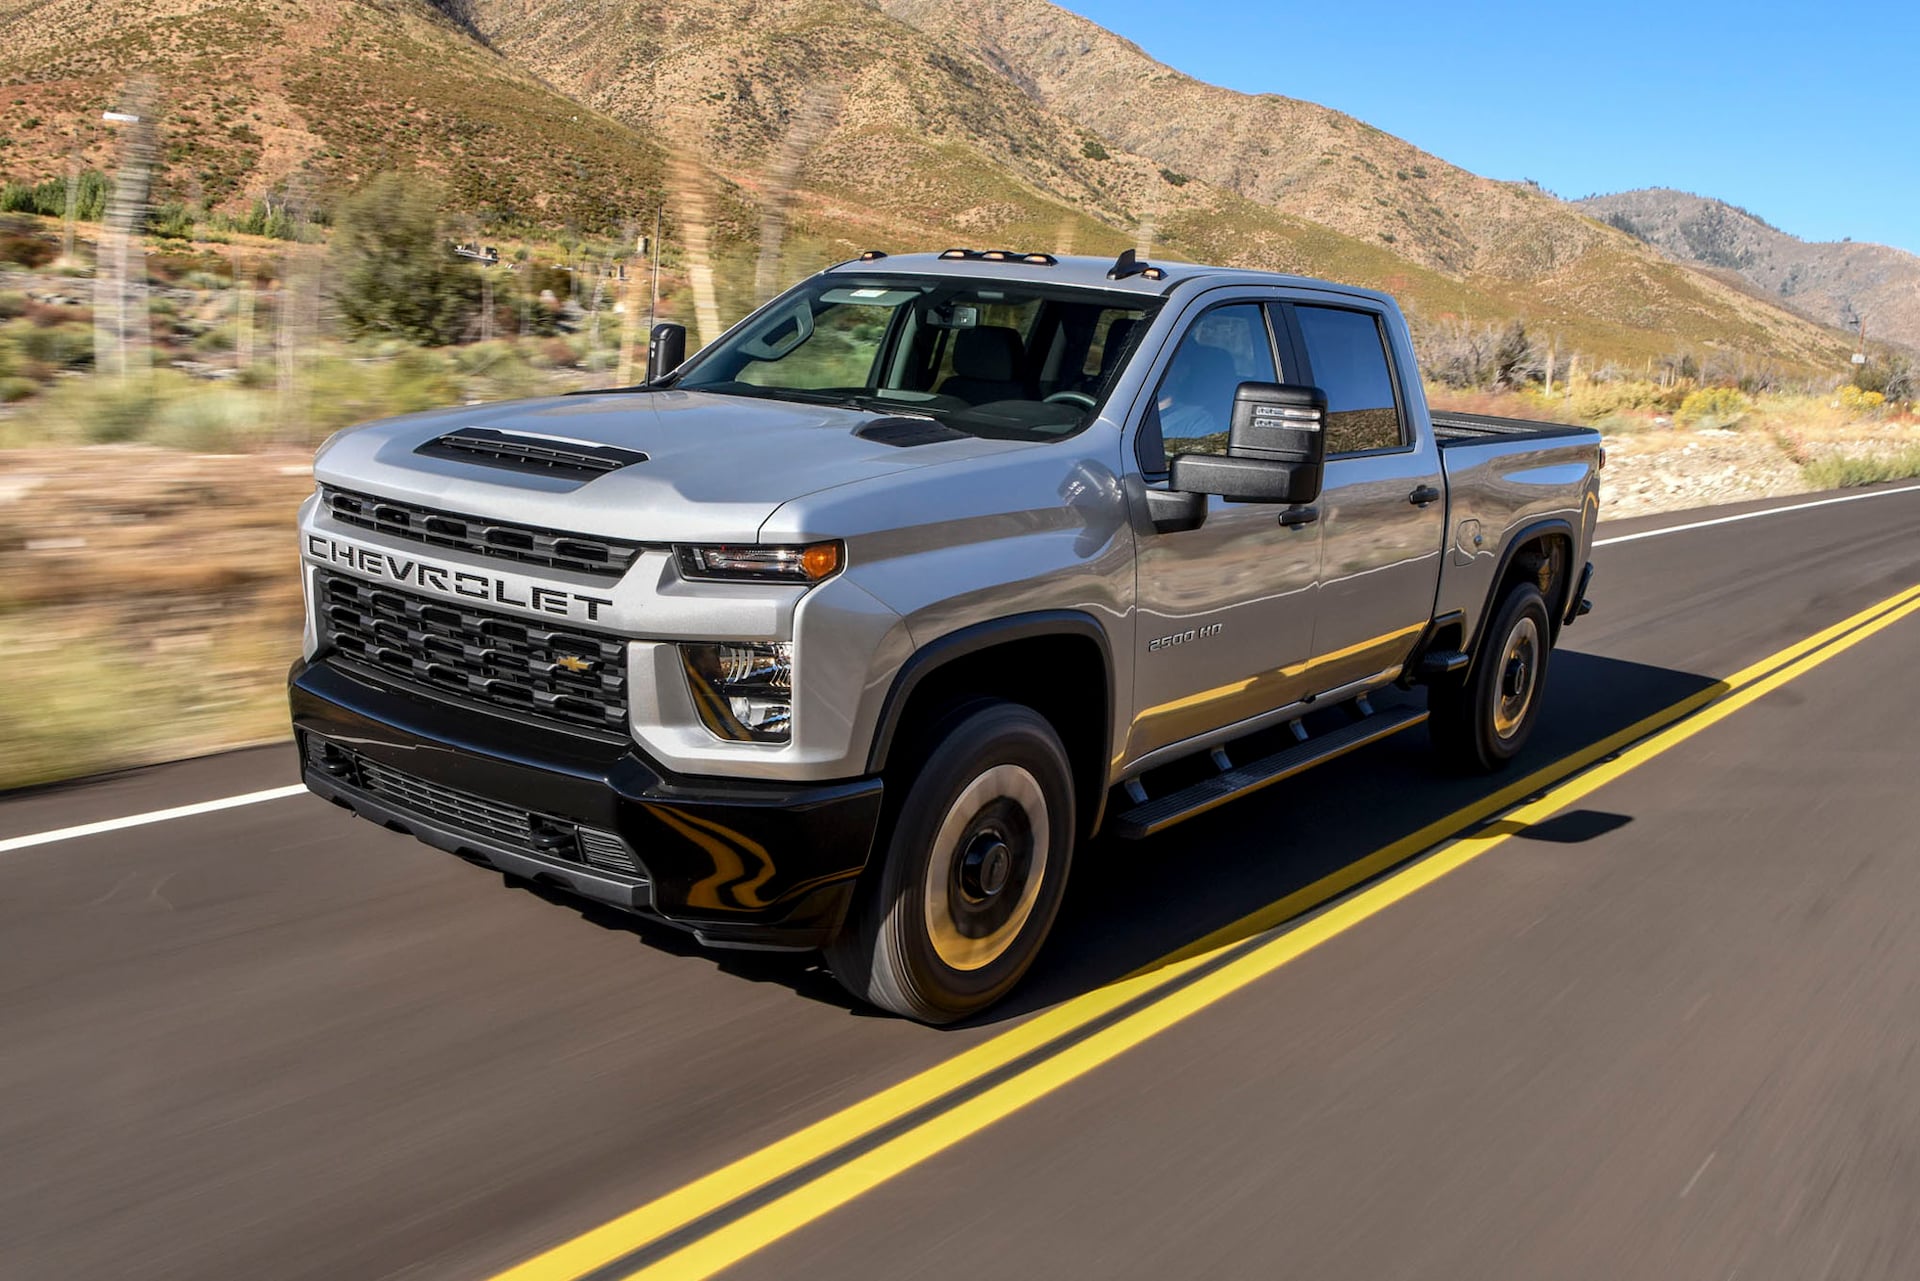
x: 1295, y: 517
x: 1424, y: 495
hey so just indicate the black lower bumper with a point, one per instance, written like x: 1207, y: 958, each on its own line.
x: 740, y: 863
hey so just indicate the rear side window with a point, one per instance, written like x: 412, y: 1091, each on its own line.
x: 1348, y: 355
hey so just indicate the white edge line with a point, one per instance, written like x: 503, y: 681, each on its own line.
x: 1770, y: 511
x: 154, y: 816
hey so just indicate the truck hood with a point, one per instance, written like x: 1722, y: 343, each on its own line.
x: 716, y: 466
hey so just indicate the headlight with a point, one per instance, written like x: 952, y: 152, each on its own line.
x: 807, y: 564
x: 743, y: 692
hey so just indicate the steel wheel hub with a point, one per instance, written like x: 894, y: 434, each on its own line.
x: 1519, y: 678
x: 986, y: 867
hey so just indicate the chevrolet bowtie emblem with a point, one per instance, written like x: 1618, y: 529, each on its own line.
x: 573, y: 664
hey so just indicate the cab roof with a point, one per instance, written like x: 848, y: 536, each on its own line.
x: 1153, y: 279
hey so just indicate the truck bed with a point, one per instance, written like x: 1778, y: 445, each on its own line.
x: 1455, y: 429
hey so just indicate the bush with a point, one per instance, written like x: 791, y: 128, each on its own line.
x: 1595, y: 401
x: 1712, y: 408
x: 1893, y: 376
x: 1176, y: 179
x: 1092, y: 150
x: 16, y: 389
x: 66, y: 346
x: 25, y: 250
x: 1844, y: 473
x: 393, y: 265
x: 1856, y: 401
x: 49, y: 198
x: 173, y: 221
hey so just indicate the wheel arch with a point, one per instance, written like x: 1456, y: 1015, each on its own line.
x: 1059, y: 662
x: 1547, y: 535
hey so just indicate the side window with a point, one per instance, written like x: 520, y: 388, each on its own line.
x: 1349, y: 361
x: 1194, y: 406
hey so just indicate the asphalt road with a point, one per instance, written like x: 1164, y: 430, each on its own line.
x: 1672, y: 1031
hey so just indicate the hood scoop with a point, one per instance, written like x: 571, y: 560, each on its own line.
x: 524, y: 452
x: 905, y: 433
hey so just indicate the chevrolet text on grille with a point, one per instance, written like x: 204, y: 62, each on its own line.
x: 450, y: 581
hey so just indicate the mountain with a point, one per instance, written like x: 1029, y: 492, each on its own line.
x: 1836, y: 283
x: 782, y: 134
x: 1015, y: 122
x: 313, y: 96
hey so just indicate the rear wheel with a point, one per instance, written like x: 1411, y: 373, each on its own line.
x: 1480, y: 721
x: 973, y: 871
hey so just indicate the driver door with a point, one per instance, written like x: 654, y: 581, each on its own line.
x: 1225, y: 613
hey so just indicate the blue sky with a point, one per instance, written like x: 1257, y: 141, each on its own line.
x: 1808, y: 114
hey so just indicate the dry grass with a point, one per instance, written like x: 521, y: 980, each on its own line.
x: 149, y: 605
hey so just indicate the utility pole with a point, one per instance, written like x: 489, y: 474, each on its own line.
x: 119, y: 335
x: 630, y: 313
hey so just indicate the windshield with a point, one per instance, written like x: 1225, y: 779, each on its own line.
x: 1001, y: 359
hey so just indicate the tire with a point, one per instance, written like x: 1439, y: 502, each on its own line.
x: 973, y: 873
x: 1480, y: 721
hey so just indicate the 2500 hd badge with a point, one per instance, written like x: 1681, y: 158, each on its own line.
x: 453, y: 582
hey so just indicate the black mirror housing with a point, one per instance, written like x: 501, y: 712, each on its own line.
x: 666, y: 350
x: 1276, y: 448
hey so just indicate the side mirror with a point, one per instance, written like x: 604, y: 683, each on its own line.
x: 1276, y: 448
x: 666, y: 350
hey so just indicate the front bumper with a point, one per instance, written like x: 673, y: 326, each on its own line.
x: 741, y: 863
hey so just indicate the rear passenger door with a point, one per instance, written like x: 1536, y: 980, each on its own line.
x: 1383, y: 507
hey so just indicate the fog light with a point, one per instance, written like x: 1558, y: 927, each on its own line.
x: 743, y: 692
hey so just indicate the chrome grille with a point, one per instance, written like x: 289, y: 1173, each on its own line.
x: 471, y: 815
x: 488, y: 658
x: 527, y: 544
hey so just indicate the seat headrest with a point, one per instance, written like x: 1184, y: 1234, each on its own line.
x: 990, y: 353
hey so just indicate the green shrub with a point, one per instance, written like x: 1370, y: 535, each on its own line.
x: 13, y: 389
x: 394, y: 269
x: 220, y: 338
x: 49, y: 198
x: 1711, y: 408
x: 209, y: 420
x: 1092, y: 150
x: 65, y: 346
x: 1844, y: 473
x: 1593, y: 402
x: 1175, y: 178
x: 108, y: 412
x: 172, y: 221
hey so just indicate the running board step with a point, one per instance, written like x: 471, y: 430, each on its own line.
x: 1176, y: 807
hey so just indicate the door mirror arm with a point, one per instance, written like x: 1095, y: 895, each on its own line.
x: 1175, y: 511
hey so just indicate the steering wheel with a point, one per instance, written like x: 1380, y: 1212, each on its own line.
x: 1079, y: 398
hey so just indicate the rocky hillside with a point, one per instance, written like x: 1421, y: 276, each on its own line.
x: 1834, y: 283
x: 310, y: 98
x: 783, y: 133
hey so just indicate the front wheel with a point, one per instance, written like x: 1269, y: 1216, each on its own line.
x: 972, y: 875
x: 1481, y: 721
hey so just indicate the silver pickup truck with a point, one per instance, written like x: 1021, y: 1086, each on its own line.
x: 850, y: 631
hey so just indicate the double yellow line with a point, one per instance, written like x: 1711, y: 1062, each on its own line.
x: 718, y: 1220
